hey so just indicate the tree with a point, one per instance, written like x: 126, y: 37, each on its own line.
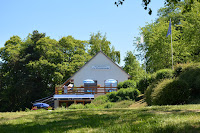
x: 132, y: 66
x: 145, y: 4
x: 74, y: 53
x: 98, y: 43
x: 185, y: 32
x: 30, y: 69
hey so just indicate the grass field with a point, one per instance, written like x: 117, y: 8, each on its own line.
x: 155, y: 119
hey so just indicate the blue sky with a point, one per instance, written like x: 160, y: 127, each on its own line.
x: 79, y: 18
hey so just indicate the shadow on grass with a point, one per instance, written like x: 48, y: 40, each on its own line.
x: 72, y: 120
x: 178, y: 128
x: 94, y: 120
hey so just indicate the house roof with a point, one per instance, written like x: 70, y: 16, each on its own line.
x: 92, y: 59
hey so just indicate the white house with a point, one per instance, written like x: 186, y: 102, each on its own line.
x: 98, y: 69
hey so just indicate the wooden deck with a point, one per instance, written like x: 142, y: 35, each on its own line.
x: 85, y: 90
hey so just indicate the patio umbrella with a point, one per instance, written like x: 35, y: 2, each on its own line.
x: 88, y: 81
x: 41, y: 105
x: 111, y: 81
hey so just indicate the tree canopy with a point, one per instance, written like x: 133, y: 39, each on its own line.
x: 31, y: 68
x: 185, y: 34
x: 145, y: 3
x: 132, y: 67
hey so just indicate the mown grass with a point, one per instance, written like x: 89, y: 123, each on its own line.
x: 154, y: 119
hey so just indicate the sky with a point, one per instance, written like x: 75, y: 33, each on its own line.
x: 79, y: 18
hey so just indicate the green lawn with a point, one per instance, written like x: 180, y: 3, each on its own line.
x: 185, y: 118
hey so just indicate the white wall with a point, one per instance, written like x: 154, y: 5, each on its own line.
x: 99, y: 74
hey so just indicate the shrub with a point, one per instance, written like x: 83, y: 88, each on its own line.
x: 90, y: 106
x: 123, y: 94
x: 148, y: 93
x: 120, y: 85
x: 191, y: 75
x: 155, y: 77
x: 164, y: 74
x: 108, y: 105
x: 170, y: 92
x: 145, y: 82
x: 112, y: 96
x: 127, y: 84
x: 76, y: 106
x: 100, y: 100
x: 179, y: 68
x: 60, y: 108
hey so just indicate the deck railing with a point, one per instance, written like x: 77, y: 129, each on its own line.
x: 85, y: 90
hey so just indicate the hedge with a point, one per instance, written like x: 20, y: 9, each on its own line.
x: 127, y: 84
x: 170, y: 92
x: 154, y: 78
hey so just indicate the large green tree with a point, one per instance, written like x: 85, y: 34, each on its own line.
x: 98, y: 43
x: 30, y: 69
x: 185, y: 32
x: 132, y: 67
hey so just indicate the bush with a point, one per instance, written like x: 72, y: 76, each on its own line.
x: 123, y: 94
x: 164, y: 74
x: 191, y: 75
x: 90, y: 106
x: 155, y: 77
x: 76, y: 106
x: 60, y: 108
x: 179, y: 68
x: 148, y: 93
x: 145, y: 82
x: 120, y: 85
x: 112, y: 96
x: 170, y: 92
x: 127, y: 84
x: 108, y: 105
x: 100, y: 100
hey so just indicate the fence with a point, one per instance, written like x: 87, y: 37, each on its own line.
x: 85, y: 90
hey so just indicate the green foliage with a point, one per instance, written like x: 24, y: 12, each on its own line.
x: 112, y: 96
x: 185, y: 32
x: 76, y: 106
x: 185, y: 86
x: 132, y: 67
x: 164, y: 74
x: 171, y: 92
x: 108, y: 105
x: 155, y: 77
x: 31, y: 68
x: 60, y: 108
x: 100, y: 100
x: 123, y: 94
x: 191, y: 75
x: 127, y: 84
x: 98, y: 42
x: 179, y: 68
x: 90, y: 106
x: 120, y: 85
x: 148, y: 93
x: 123, y: 104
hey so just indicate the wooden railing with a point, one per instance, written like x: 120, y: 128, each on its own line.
x: 85, y: 90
